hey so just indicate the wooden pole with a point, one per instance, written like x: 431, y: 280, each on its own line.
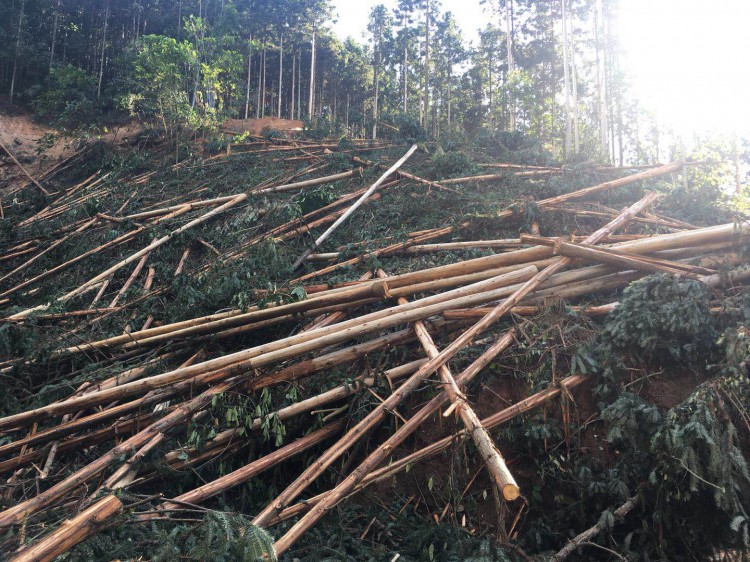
x: 490, y: 454
x: 338, y: 493
x: 357, y: 173
x: 355, y: 206
x: 72, y: 531
x: 25, y: 171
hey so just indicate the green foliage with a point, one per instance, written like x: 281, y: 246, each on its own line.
x: 663, y: 319
x: 223, y: 537
x: 69, y: 96
x: 153, y: 82
x: 450, y: 164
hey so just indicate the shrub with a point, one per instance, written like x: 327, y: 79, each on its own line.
x: 69, y: 96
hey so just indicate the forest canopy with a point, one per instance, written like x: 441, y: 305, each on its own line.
x: 548, y: 68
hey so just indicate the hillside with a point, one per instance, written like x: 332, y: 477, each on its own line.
x: 497, y: 356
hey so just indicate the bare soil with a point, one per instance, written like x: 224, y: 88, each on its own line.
x: 257, y: 126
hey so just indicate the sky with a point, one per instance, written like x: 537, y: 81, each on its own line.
x: 687, y: 59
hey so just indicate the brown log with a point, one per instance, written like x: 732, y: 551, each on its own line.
x: 592, y: 532
x: 356, y: 205
x: 356, y: 173
x: 491, y: 456
x: 338, y: 493
x: 202, y: 493
x: 430, y: 451
x: 72, y: 531
x: 27, y: 508
x: 25, y: 171
x: 116, y: 242
x: 136, y: 256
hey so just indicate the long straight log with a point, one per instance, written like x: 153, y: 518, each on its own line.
x: 116, y: 242
x: 25, y: 171
x: 294, y: 346
x: 618, y: 260
x: 25, y: 509
x: 356, y: 173
x: 136, y: 256
x: 492, y: 458
x: 323, y: 237
x: 442, y: 445
x: 369, y: 422
x: 51, y: 247
x: 338, y: 493
x: 72, y: 531
x: 202, y: 493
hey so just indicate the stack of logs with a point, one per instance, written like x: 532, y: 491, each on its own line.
x: 441, y: 311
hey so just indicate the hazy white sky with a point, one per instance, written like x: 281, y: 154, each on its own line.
x: 353, y: 15
x: 688, y: 59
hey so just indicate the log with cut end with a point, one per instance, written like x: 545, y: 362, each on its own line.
x: 307, y: 521
x: 491, y: 456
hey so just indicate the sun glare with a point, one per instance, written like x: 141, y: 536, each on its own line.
x: 687, y: 60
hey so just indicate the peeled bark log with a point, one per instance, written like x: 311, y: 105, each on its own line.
x: 72, y: 531
x: 357, y: 173
x: 338, y: 493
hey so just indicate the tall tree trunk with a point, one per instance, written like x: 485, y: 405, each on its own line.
x: 450, y: 98
x: 574, y: 84
x: 299, y: 88
x: 259, y: 88
x: 294, y: 70
x: 427, y: 65
x: 346, y: 121
x: 54, y: 34
x: 566, y: 73
x: 281, y: 72
x: 179, y: 20
x: 264, y: 95
x: 490, y: 64
x: 18, y: 49
x: 104, y: 52
x: 249, y: 75
x: 601, y: 82
x: 405, y: 67
x: 311, y: 107
x: 511, y: 61
x: 375, y: 101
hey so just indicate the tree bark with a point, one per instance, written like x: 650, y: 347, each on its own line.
x: 281, y: 72
x: 311, y: 106
x: 249, y: 73
x: 566, y: 81
x: 18, y: 49
x: 72, y: 531
x: 427, y: 66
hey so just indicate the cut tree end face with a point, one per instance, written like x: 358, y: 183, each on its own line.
x: 511, y: 492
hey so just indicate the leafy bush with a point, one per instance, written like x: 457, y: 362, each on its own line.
x: 69, y: 96
x: 664, y: 319
x: 449, y: 164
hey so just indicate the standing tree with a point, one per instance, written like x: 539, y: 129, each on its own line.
x: 379, y: 27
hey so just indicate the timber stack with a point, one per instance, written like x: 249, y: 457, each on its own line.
x: 131, y: 379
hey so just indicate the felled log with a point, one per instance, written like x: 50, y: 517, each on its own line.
x: 356, y: 173
x: 592, y: 532
x: 25, y: 171
x: 154, y: 245
x: 338, y: 493
x: 287, y: 348
x: 372, y: 189
x: 72, y: 531
x: 395, y: 466
x: 491, y: 456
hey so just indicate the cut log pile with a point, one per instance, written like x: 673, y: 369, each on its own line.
x: 75, y: 454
